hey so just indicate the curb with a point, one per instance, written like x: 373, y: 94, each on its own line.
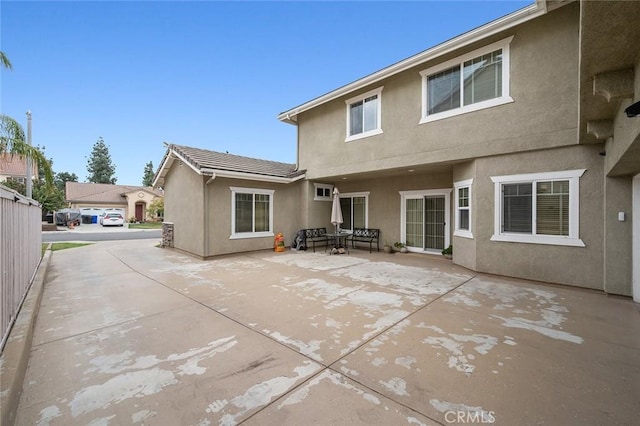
x: 15, y: 356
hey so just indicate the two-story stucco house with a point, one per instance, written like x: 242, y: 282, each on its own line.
x: 509, y: 142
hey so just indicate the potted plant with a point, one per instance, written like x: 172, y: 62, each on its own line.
x: 448, y: 252
x: 401, y: 247
x: 386, y: 247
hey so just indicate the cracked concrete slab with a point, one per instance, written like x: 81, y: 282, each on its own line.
x: 133, y: 334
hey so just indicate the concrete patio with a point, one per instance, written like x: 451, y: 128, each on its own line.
x: 128, y: 333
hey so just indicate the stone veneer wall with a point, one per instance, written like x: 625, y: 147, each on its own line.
x: 167, y: 234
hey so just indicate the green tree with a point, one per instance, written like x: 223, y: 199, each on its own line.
x: 100, y: 167
x: 62, y: 178
x: 156, y: 208
x: 16, y: 186
x: 147, y: 178
x: 13, y: 141
x: 5, y: 61
x: 49, y: 196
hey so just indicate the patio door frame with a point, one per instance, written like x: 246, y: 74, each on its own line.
x: 406, y: 195
x: 635, y: 249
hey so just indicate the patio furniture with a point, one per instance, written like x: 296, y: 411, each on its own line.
x: 338, y: 241
x: 366, y: 235
x: 316, y: 236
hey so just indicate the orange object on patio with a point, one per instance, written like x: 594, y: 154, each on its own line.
x: 278, y: 242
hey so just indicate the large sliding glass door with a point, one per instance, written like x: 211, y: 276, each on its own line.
x: 435, y: 220
x: 414, y: 219
x: 354, y: 210
x: 425, y: 219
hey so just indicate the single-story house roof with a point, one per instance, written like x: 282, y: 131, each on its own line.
x: 220, y: 164
x: 77, y: 192
x: 15, y: 166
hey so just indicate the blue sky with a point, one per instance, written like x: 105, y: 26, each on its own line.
x: 208, y: 74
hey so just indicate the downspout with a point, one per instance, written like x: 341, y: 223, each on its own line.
x: 288, y: 119
x: 206, y: 215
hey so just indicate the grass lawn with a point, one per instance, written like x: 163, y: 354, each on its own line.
x: 62, y: 246
x: 146, y: 225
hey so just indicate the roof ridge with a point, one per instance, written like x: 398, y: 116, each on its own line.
x: 233, y: 155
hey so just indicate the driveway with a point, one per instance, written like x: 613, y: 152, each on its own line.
x: 97, y: 232
x: 133, y: 334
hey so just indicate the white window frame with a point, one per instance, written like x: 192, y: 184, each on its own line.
x: 366, y: 205
x: 322, y: 186
x: 465, y: 233
x: 407, y: 195
x: 359, y: 98
x: 239, y: 190
x: 573, y: 239
x: 463, y: 109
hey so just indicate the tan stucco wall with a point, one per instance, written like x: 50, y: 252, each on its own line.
x: 286, y: 216
x: 384, y: 200
x: 544, y: 86
x: 576, y: 266
x: 622, y: 162
x: 464, y: 252
x: 184, y: 206
x: 623, y: 149
x: 618, y: 235
x: 134, y: 198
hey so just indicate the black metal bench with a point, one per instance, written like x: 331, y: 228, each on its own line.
x: 366, y: 235
x: 316, y: 236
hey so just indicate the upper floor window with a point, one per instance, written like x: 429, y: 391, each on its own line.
x: 364, y: 115
x: 21, y: 180
x: 538, y: 208
x: 477, y: 80
x: 251, y: 212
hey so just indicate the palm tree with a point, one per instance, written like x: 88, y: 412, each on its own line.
x: 13, y: 142
x: 5, y: 61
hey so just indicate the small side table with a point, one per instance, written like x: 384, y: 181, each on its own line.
x: 339, y: 241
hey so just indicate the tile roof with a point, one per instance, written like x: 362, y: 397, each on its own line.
x: 102, y: 192
x: 205, y: 159
x: 15, y: 166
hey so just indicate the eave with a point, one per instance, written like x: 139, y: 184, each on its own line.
x: 518, y: 17
x: 171, y: 156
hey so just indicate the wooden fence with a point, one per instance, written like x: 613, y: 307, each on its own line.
x: 20, y: 253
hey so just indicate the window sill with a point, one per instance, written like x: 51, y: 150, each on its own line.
x: 364, y: 135
x: 466, y: 109
x: 539, y: 239
x: 463, y: 234
x: 251, y: 235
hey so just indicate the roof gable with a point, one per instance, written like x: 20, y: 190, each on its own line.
x: 213, y: 163
x: 15, y: 165
x: 102, y: 192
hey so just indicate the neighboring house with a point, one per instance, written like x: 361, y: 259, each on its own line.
x: 133, y: 200
x: 14, y: 168
x: 509, y: 142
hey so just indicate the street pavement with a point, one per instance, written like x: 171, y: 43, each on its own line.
x: 129, y: 333
x: 96, y: 232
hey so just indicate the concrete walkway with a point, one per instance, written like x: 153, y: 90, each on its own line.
x: 133, y: 334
